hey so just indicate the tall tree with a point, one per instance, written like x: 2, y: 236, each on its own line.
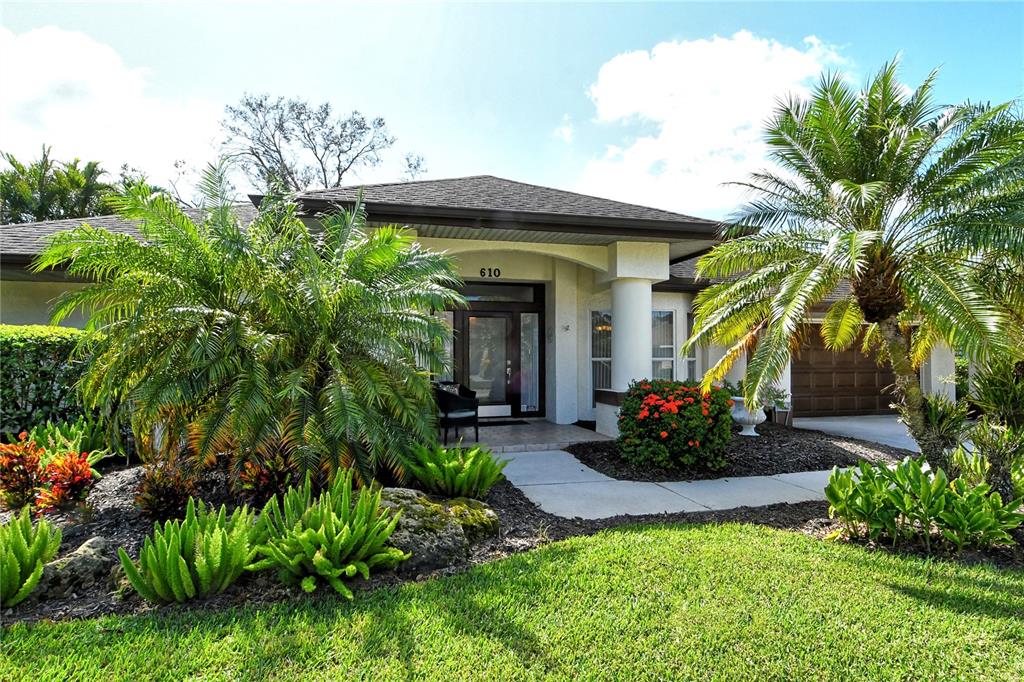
x: 47, y: 189
x: 903, y: 199
x: 290, y: 144
x: 263, y: 337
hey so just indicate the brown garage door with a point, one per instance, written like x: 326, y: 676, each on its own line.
x: 833, y: 384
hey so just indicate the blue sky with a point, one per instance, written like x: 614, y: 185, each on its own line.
x: 636, y: 101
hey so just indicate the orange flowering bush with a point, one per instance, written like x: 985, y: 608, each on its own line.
x: 672, y: 424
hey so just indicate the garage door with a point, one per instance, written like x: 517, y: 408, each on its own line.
x: 834, y: 384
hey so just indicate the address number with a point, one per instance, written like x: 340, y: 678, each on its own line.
x: 490, y: 272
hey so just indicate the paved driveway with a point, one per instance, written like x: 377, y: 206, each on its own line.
x: 884, y: 429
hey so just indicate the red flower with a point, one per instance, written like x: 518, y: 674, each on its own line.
x: 664, y: 434
x: 730, y: 402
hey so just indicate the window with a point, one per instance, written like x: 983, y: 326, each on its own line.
x: 691, y: 355
x: 663, y: 346
x: 600, y: 350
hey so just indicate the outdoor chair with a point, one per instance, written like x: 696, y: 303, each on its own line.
x: 457, y: 406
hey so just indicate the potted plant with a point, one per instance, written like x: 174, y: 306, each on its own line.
x: 740, y: 414
x: 777, y: 406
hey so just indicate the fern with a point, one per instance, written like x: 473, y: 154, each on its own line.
x: 456, y: 472
x: 329, y: 538
x: 24, y: 549
x: 198, y: 556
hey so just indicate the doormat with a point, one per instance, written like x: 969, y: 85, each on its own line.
x: 504, y: 422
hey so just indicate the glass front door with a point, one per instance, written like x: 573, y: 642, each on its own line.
x: 489, y: 366
x: 498, y: 348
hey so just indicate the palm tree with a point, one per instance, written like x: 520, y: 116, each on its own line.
x: 261, y: 338
x: 51, y: 190
x: 902, y: 199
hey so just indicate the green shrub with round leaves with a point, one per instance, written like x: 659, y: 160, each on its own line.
x: 37, y: 376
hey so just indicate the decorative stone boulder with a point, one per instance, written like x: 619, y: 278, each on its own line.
x: 436, y: 533
x: 83, y: 569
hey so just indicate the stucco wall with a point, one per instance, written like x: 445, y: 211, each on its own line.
x: 30, y: 302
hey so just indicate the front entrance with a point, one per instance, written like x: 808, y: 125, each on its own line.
x: 499, y: 348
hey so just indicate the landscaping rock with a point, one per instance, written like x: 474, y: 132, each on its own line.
x: 86, y: 568
x: 478, y: 521
x: 426, y: 530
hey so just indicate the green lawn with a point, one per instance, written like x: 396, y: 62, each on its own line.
x: 704, y: 602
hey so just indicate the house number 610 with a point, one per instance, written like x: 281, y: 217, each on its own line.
x: 490, y: 272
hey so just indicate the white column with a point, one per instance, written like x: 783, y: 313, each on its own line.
x: 631, y: 331
x: 562, y: 363
x: 938, y: 372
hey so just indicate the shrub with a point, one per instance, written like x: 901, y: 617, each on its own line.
x: 973, y: 516
x: 456, y: 472
x: 20, y: 472
x: 672, y: 424
x: 1002, y: 449
x: 329, y: 538
x: 66, y: 481
x: 999, y: 392
x: 910, y: 501
x: 164, y: 491
x: 196, y: 557
x: 259, y: 480
x: 38, y: 375
x: 945, y: 422
x: 85, y: 434
x: 24, y: 550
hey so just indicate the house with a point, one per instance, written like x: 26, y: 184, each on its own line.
x: 571, y: 297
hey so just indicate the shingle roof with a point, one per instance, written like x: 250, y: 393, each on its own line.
x: 492, y: 197
x: 683, y: 277
x: 22, y: 241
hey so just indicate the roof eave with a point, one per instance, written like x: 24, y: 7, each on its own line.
x: 520, y: 220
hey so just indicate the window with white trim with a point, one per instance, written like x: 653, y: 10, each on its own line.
x: 691, y: 355
x: 600, y: 350
x: 663, y: 344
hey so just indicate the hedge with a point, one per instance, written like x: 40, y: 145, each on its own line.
x: 37, y: 376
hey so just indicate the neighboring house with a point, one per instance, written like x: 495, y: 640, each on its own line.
x: 571, y: 297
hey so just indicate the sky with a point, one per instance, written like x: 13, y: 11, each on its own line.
x: 657, y: 104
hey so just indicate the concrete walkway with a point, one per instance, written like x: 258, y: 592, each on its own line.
x: 560, y: 484
x: 877, y: 428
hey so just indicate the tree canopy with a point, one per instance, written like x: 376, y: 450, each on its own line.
x: 47, y: 189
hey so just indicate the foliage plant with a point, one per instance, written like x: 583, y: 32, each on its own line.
x: 317, y: 339
x: 164, y: 490
x: 455, y: 472
x: 84, y: 434
x: 904, y: 199
x: 201, y: 555
x: 328, y: 538
x: 675, y: 424
x: 24, y: 550
x: 39, y: 375
x: 20, y: 472
x: 945, y: 424
x: 912, y: 502
x: 259, y: 480
x: 65, y: 482
x: 999, y: 392
x: 1002, y: 449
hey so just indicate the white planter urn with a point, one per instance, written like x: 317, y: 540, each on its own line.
x: 746, y: 419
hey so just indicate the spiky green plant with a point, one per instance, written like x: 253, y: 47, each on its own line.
x: 456, y: 472
x: 328, y: 538
x: 264, y: 336
x: 24, y: 550
x: 883, y: 189
x: 198, y: 556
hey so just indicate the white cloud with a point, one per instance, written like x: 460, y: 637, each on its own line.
x: 77, y: 95
x: 565, y: 131
x: 699, y: 106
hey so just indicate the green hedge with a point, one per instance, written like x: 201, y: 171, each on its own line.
x: 36, y: 375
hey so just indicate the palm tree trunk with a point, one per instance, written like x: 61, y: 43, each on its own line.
x: 908, y: 389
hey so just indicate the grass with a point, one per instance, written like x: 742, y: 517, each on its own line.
x: 692, y: 602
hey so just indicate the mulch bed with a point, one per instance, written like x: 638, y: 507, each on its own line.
x: 778, y: 450
x: 523, y: 527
